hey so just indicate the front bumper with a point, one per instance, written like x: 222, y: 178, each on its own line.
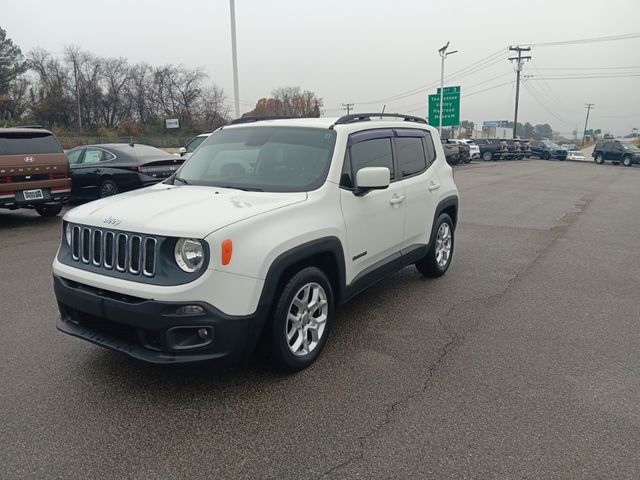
x: 151, y: 330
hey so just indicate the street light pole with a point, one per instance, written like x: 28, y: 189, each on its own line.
x: 234, y: 53
x: 443, y: 54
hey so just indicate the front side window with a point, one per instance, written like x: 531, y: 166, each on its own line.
x: 265, y: 158
x: 195, y: 143
x: 411, y: 156
x: 372, y: 153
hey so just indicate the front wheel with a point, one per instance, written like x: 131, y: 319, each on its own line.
x: 545, y: 156
x: 487, y: 156
x: 302, y: 320
x: 49, y: 210
x: 599, y: 159
x: 626, y: 161
x: 438, y: 258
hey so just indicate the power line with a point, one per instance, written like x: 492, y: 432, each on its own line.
x: 587, y: 68
x: 579, y: 77
x: 468, y: 70
x: 541, y: 103
x: 611, y: 38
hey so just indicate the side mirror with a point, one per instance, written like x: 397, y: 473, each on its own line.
x: 372, y: 178
x: 182, y: 151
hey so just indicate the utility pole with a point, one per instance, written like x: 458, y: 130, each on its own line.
x: 347, y: 107
x: 443, y: 54
x: 234, y: 53
x: 518, y: 60
x: 588, y: 106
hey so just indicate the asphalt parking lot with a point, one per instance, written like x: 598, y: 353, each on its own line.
x: 522, y: 362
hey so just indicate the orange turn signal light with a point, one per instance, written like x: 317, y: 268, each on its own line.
x: 227, y: 251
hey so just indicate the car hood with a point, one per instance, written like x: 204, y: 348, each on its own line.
x: 179, y: 211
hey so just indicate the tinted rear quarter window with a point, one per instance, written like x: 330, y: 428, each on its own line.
x: 28, y: 143
x: 411, y: 155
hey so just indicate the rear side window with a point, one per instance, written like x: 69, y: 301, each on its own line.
x: 411, y: 155
x: 28, y: 143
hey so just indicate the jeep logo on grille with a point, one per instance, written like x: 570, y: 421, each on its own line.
x: 29, y: 159
x: 112, y: 221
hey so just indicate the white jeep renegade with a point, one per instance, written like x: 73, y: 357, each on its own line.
x: 259, y: 237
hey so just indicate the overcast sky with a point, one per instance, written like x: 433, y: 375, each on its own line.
x: 365, y: 51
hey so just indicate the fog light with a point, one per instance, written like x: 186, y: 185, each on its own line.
x: 190, y: 310
x: 204, y: 333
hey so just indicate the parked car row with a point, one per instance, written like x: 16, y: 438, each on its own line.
x: 35, y: 173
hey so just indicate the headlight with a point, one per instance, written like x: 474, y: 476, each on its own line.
x: 67, y: 232
x: 189, y: 254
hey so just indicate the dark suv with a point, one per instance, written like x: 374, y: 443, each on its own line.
x: 617, y: 152
x: 547, y: 149
x: 492, y: 148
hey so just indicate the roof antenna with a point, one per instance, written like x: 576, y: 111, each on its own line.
x: 383, y: 107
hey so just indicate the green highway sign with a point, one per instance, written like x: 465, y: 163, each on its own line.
x: 450, y: 107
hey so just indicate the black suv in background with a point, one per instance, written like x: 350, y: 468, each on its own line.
x: 617, y: 152
x: 547, y: 149
x: 492, y: 148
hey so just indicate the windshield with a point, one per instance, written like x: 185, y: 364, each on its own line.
x: 552, y: 145
x: 273, y: 159
x: 631, y: 146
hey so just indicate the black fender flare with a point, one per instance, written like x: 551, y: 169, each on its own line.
x: 445, y: 203
x: 297, y: 255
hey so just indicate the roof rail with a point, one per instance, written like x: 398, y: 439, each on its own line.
x: 365, y: 117
x: 259, y: 118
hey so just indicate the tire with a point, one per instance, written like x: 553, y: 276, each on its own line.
x: 432, y: 265
x: 108, y: 188
x: 49, y: 210
x: 599, y: 158
x: 562, y: 159
x: 626, y: 161
x: 487, y: 156
x: 545, y: 156
x: 287, y: 340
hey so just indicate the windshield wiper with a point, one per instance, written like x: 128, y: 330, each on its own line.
x: 180, y: 179
x: 244, y: 189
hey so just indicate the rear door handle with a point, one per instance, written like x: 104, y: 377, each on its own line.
x: 433, y: 186
x: 396, y: 200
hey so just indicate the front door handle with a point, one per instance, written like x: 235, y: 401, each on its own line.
x: 433, y: 186
x: 97, y: 170
x: 396, y: 200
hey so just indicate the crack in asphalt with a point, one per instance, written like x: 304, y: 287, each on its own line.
x: 456, y: 340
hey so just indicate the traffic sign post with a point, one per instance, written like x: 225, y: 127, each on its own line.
x: 450, y: 107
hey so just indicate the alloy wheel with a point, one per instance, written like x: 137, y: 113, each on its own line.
x: 306, y: 319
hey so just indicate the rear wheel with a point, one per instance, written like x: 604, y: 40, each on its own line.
x: 487, y: 156
x: 108, y: 188
x: 545, y: 156
x: 438, y: 258
x: 49, y: 210
x: 626, y: 161
x: 302, y: 320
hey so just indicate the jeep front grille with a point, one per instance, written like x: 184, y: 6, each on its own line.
x: 131, y: 253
